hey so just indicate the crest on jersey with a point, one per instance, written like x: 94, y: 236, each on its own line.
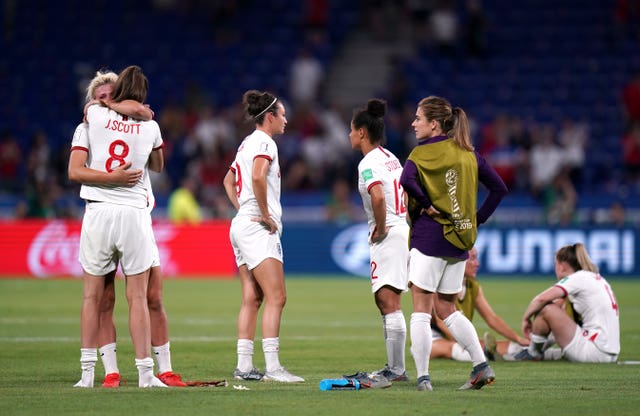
x: 264, y: 147
x: 367, y: 174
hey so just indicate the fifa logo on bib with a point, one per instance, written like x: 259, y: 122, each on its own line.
x: 451, y: 179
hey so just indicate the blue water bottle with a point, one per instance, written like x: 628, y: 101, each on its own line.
x: 339, y: 384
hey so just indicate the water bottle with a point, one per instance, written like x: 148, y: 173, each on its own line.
x: 339, y: 384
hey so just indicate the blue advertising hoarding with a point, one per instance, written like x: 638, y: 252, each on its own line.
x: 331, y: 249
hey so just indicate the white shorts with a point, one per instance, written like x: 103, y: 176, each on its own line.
x: 113, y: 234
x: 581, y: 349
x: 390, y: 260
x: 252, y: 243
x: 436, y: 274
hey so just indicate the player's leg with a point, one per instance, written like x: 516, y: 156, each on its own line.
x: 93, y: 286
x: 270, y: 276
x: 160, y: 344
x: 550, y: 320
x: 252, y: 297
x: 107, y: 333
x: 139, y: 328
x: 394, y: 328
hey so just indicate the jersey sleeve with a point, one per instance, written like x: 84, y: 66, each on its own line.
x: 158, y: 143
x: 267, y: 149
x: 369, y: 175
x: 80, y: 140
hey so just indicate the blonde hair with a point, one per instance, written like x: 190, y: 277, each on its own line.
x: 577, y: 257
x: 101, y: 78
x: 453, y: 121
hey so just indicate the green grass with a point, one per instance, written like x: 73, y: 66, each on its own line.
x: 330, y: 327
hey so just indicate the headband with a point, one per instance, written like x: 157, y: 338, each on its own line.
x: 268, y: 107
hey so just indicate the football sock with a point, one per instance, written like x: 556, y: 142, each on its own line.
x: 395, y: 336
x: 458, y: 353
x: 465, y: 334
x: 535, y: 347
x: 88, y: 359
x: 420, y: 328
x: 163, y: 357
x: 109, y: 358
x: 145, y: 373
x: 271, y: 349
x: 245, y: 355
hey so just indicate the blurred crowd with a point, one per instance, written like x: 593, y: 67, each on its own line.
x: 543, y: 160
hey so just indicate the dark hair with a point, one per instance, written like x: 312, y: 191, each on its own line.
x: 576, y: 256
x: 132, y: 84
x: 371, y: 118
x: 257, y: 104
x: 453, y: 121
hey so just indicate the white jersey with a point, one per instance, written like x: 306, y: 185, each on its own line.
x: 380, y: 166
x: 592, y: 297
x: 112, y: 140
x: 257, y: 144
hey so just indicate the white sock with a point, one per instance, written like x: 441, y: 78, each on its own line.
x: 271, y: 349
x: 459, y: 354
x: 88, y: 360
x: 395, y: 336
x: 535, y: 347
x: 513, y: 348
x: 421, y: 338
x: 465, y: 334
x: 145, y: 373
x: 109, y: 358
x: 163, y: 357
x: 245, y: 355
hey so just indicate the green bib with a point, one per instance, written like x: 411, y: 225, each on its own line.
x: 449, y: 175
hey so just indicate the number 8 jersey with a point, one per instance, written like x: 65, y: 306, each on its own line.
x: 380, y: 166
x: 111, y: 140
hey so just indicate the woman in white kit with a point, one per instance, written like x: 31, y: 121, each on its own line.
x: 383, y: 198
x: 116, y: 226
x: 253, y: 187
x: 596, y: 338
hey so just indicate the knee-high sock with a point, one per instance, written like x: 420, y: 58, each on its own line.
x: 420, y: 327
x: 465, y: 334
x: 395, y: 336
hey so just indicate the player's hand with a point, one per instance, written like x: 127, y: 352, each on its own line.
x: 431, y: 211
x: 268, y: 223
x: 523, y: 341
x: 149, y: 108
x: 377, y: 235
x: 122, y: 176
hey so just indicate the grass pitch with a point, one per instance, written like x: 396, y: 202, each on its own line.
x: 330, y: 327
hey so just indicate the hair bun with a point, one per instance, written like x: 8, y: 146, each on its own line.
x: 376, y: 107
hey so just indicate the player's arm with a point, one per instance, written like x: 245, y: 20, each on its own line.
x: 156, y: 160
x: 536, y: 305
x: 494, y: 321
x: 230, y: 187
x: 131, y: 108
x: 79, y: 172
x: 379, y: 206
x: 259, y: 182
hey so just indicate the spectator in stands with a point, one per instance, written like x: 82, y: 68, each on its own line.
x: 631, y: 99
x: 631, y: 153
x: 546, y: 158
x: 444, y: 25
x: 475, y: 29
x: 560, y: 200
x: 10, y: 159
x: 183, y: 207
x: 339, y: 207
x: 574, y: 137
x: 307, y: 75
